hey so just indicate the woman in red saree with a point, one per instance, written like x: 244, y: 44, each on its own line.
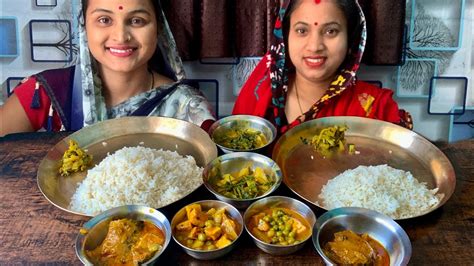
x: 310, y: 70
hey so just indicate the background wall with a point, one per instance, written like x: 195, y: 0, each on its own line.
x: 434, y: 81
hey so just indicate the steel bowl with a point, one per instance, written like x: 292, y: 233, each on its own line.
x: 233, y: 163
x: 94, y: 231
x: 283, y: 202
x: 223, y: 125
x: 360, y: 220
x: 231, y: 211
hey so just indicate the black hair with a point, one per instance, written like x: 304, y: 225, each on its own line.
x: 351, y: 11
x: 348, y: 7
x: 157, y: 62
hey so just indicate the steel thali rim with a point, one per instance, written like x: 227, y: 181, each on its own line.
x: 409, y: 149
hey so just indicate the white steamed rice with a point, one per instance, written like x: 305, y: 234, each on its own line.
x: 136, y: 175
x: 382, y: 188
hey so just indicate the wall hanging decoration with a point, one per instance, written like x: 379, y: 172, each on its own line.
x: 56, y: 45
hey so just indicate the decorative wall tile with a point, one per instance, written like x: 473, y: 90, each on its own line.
x: 46, y: 3
x: 12, y: 82
x: 413, y: 78
x: 210, y: 89
x: 441, y: 102
x: 51, y: 41
x: 9, y: 42
x: 436, y: 25
x: 461, y: 126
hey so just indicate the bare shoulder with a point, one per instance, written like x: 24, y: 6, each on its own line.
x: 13, y: 117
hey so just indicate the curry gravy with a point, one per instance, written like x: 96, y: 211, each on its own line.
x: 128, y: 242
x: 349, y: 248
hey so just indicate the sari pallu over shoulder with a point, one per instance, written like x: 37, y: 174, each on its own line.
x: 59, y: 86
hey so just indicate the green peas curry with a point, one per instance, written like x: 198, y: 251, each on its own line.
x: 279, y: 226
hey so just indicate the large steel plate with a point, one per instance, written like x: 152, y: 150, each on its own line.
x: 111, y: 135
x: 305, y: 170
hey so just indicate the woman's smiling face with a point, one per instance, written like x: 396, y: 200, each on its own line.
x: 122, y: 35
x: 317, y: 39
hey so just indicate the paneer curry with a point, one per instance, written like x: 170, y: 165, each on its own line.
x: 279, y: 226
x: 128, y: 242
x: 351, y: 248
x: 206, y: 229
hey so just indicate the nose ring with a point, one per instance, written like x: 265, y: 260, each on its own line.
x: 129, y: 38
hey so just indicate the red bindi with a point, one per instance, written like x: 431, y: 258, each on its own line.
x: 315, y: 23
x: 317, y: 1
x: 120, y: 7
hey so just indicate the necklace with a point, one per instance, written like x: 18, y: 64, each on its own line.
x: 152, y: 80
x: 298, y: 98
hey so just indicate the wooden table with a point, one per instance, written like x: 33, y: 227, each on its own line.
x: 33, y: 231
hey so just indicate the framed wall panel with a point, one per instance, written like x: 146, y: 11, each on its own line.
x: 9, y: 40
x: 461, y: 126
x: 413, y: 78
x: 12, y: 82
x: 436, y: 25
x: 210, y: 89
x: 446, y: 93
x: 51, y: 41
x: 46, y: 3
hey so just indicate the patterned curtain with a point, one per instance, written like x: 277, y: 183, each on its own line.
x: 241, y: 28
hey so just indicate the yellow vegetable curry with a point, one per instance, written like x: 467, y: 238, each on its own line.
x: 206, y: 230
x: 351, y: 248
x: 128, y: 242
x: 74, y: 159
